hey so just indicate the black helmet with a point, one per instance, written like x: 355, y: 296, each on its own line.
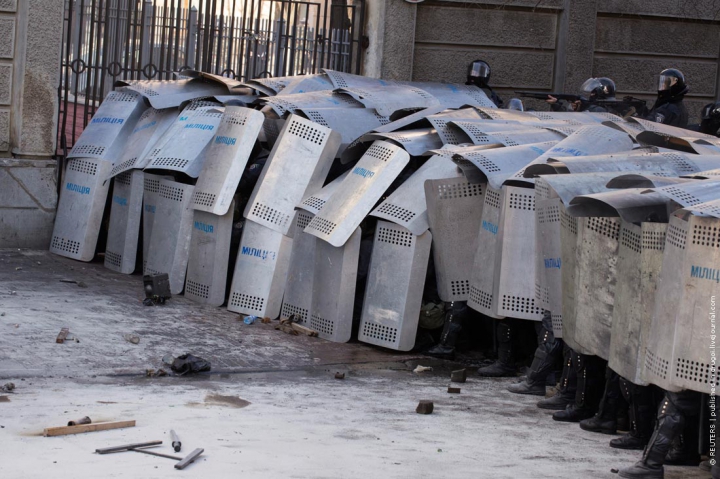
x: 515, y: 104
x: 672, y: 83
x: 478, y: 73
x: 711, y: 111
x: 599, y: 88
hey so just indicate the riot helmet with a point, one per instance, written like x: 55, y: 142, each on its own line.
x: 515, y: 104
x: 671, y: 83
x: 478, y: 73
x: 711, y: 111
x: 601, y: 88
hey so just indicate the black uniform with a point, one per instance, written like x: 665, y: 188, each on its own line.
x: 669, y: 111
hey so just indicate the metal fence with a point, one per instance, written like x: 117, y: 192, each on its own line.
x: 108, y: 40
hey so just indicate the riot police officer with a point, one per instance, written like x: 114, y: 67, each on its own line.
x: 602, y: 88
x: 669, y: 107
x: 710, y: 123
x: 478, y: 74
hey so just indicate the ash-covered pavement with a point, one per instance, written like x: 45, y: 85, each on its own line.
x: 270, y: 409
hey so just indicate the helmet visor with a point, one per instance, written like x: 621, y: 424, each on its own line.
x: 515, y: 104
x: 479, y: 69
x: 665, y: 82
x: 590, y: 85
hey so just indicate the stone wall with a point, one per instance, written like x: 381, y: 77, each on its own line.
x: 553, y: 44
x: 30, y: 39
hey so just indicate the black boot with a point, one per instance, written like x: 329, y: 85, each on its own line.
x: 568, y: 385
x: 715, y: 471
x: 454, y: 313
x: 589, y: 390
x: 684, y: 449
x: 605, y: 421
x: 546, y: 354
x: 505, y: 364
x: 669, y: 424
x: 639, y: 399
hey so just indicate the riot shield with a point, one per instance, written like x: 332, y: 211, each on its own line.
x: 125, y: 215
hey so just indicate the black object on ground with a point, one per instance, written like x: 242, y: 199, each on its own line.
x: 187, y: 363
x: 157, y: 288
x: 425, y: 407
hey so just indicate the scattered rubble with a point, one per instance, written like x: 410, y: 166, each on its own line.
x: 425, y: 407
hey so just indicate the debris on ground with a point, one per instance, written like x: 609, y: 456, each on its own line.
x: 81, y: 284
x: 459, y: 376
x: 266, y: 320
x: 82, y: 420
x: 339, y: 375
x: 187, y: 363
x: 62, y: 335
x: 425, y: 407
x: 289, y: 326
x: 176, y: 444
x: 250, y: 319
x: 453, y: 390
x: 19, y: 268
x: 422, y: 369
x: 157, y: 289
x: 131, y: 338
x: 101, y: 426
x: 68, y: 281
x: 152, y: 373
x: 7, y: 387
x: 2, y: 314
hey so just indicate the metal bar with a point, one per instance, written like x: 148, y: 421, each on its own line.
x: 126, y: 447
x: 229, y: 62
x: 360, y: 34
x: 63, y: 89
x: 220, y: 22
x: 167, y: 456
x: 126, y: 57
x: 189, y: 459
x: 153, y: 33
x: 176, y: 444
x: 105, y: 57
x: 77, y: 80
x: 163, y: 20
x: 178, y: 20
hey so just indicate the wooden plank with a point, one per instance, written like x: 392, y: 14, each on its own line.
x: 189, y: 459
x: 102, y: 426
x: 62, y: 336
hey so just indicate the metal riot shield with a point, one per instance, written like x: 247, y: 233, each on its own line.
x: 316, y: 201
x: 692, y: 193
x: 359, y: 192
x: 395, y: 282
x: 208, y: 258
x: 640, y: 260
x: 151, y: 191
x: 350, y: 123
x: 455, y: 95
x: 389, y: 99
x: 226, y: 158
x: 416, y: 142
x: 680, y: 349
x: 510, y: 137
x: 498, y: 114
x: 301, y: 269
x: 596, y: 276
x: 450, y: 134
x: 284, y: 104
x: 184, y: 118
x: 588, y: 140
x: 147, y: 131
x: 483, y: 297
x: 106, y: 134
x: 171, y: 231
x: 454, y: 212
x: 306, y: 83
x: 260, y: 271
x: 515, y: 274
x: 345, y: 80
x: 570, y: 240
x: 406, y: 206
x: 548, y: 255
x: 498, y: 164
x: 184, y: 151
x: 659, y: 164
x: 80, y: 208
x: 173, y: 93
x: 575, y: 117
x: 334, y: 278
x: 298, y: 165
x: 125, y: 215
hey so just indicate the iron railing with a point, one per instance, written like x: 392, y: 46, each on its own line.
x: 109, y: 40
